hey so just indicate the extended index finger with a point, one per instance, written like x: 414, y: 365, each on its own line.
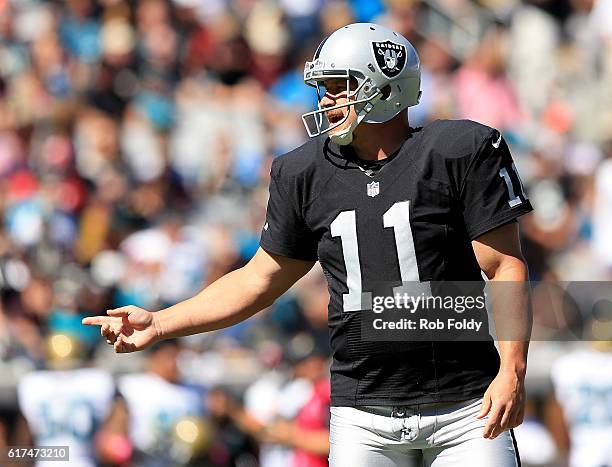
x: 98, y: 320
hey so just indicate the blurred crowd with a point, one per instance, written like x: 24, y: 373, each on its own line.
x: 136, y: 138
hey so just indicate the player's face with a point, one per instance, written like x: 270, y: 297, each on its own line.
x: 334, y: 92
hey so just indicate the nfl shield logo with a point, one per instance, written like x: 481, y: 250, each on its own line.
x: 373, y: 188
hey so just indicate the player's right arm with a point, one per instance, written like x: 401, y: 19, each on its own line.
x: 289, y: 250
x: 227, y: 301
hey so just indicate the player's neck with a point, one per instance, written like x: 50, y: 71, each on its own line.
x: 376, y: 141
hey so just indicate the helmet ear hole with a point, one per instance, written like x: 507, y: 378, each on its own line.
x: 386, y: 92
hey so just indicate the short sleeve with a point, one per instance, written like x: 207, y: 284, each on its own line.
x: 285, y: 232
x: 492, y: 193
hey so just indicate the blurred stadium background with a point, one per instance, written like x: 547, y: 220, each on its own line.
x: 135, y: 144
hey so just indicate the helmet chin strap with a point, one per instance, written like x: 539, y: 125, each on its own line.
x: 345, y: 137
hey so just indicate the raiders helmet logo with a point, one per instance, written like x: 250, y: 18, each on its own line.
x: 390, y: 57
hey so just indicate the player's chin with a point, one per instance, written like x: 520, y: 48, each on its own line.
x: 340, y: 127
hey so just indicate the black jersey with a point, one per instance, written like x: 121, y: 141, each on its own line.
x: 413, y: 219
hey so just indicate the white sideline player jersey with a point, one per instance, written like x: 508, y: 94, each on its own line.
x: 155, y: 405
x: 66, y: 408
x: 583, y: 387
x: 269, y: 398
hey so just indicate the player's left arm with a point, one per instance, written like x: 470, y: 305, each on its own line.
x: 498, y: 253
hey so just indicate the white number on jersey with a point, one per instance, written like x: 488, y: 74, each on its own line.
x: 514, y: 198
x: 344, y: 226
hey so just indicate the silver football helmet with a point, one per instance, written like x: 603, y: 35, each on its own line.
x: 384, y: 65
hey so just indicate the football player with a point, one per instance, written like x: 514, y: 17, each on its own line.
x: 150, y: 406
x: 582, y: 381
x: 376, y: 201
x: 65, y: 404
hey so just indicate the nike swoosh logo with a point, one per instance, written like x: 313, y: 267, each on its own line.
x: 498, y: 142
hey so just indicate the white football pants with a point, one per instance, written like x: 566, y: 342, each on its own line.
x: 436, y: 435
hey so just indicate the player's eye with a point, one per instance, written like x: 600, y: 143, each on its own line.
x: 336, y: 87
x: 332, y: 88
